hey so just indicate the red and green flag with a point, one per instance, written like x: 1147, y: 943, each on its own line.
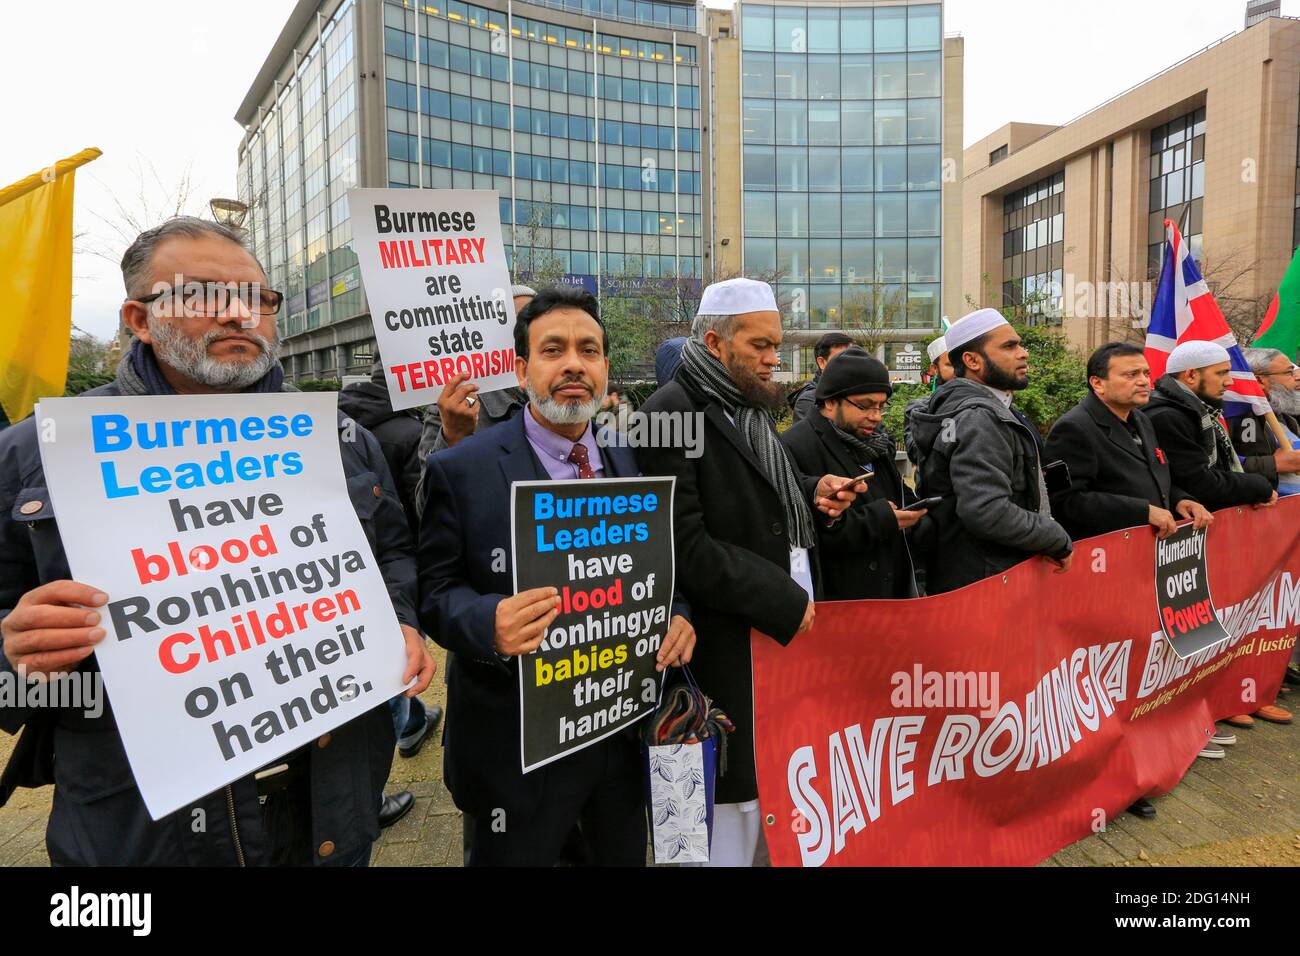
x: 1281, y: 326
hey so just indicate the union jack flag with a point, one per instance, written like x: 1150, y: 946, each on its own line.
x: 1184, y: 310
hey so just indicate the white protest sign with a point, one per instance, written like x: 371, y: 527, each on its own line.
x: 246, y: 613
x: 439, y: 290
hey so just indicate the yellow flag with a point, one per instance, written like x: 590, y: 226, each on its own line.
x: 36, y: 285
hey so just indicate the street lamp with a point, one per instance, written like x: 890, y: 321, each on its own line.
x: 228, y: 212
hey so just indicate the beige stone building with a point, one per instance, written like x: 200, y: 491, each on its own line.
x: 1070, y: 218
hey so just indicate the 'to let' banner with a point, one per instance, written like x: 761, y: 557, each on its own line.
x: 246, y: 613
x: 435, y: 274
x: 607, y: 546
x: 998, y: 723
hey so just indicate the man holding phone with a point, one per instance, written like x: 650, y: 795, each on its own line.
x: 864, y: 553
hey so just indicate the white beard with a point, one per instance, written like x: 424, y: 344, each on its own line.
x: 190, y: 356
x: 1283, y: 400
x: 563, y: 413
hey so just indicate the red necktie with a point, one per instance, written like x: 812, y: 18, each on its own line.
x: 579, y: 457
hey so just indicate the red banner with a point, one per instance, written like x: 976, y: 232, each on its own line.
x: 996, y: 724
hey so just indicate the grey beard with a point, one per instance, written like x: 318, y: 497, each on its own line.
x: 190, y: 356
x: 563, y: 413
x: 1283, y: 400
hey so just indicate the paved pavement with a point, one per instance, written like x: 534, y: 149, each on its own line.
x: 1243, y: 810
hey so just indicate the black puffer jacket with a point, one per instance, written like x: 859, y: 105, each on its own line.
x: 398, y: 434
x: 98, y: 817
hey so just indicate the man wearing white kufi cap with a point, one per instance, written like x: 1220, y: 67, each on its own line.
x: 1186, y: 409
x: 984, y: 459
x: 1187, y: 412
x: 940, y: 372
x: 744, y: 524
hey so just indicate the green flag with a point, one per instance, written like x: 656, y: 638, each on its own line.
x: 1281, y: 326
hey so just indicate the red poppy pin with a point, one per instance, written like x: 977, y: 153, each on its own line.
x: 1160, y: 454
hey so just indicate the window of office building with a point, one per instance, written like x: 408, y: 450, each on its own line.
x: 1177, y: 185
x: 842, y: 124
x: 1033, y: 247
x: 294, y: 173
x: 602, y: 176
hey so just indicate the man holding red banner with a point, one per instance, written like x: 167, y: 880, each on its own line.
x: 1187, y: 410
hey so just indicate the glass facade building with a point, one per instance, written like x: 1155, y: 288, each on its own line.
x: 591, y: 138
x: 842, y: 139
x: 295, y: 169
x: 584, y: 115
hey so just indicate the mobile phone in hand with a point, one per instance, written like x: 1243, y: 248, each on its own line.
x: 925, y: 504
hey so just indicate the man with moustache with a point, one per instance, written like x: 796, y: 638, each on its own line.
x: 461, y: 411
x: 518, y: 819
x: 802, y: 400
x: 203, y: 319
x: 863, y: 555
x: 745, y: 519
x: 1251, y: 434
x: 982, y: 457
x: 1110, y: 491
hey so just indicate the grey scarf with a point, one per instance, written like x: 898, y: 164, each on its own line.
x: 703, y: 372
x: 879, y: 447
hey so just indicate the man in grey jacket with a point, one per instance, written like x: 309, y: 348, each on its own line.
x: 983, y: 460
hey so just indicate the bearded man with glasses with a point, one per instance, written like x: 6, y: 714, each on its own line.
x: 204, y: 324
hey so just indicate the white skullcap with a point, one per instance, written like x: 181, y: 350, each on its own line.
x: 1196, y: 355
x: 970, y: 327
x: 736, y: 297
x: 936, y: 348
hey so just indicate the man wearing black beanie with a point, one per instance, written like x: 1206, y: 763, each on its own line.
x: 864, y: 554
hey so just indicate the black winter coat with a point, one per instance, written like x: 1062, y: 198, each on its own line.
x: 1177, y: 416
x: 733, y: 565
x: 864, y: 554
x: 1112, y: 481
x: 99, y: 817
x: 398, y: 434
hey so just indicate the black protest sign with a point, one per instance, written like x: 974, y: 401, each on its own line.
x: 607, y: 546
x: 1187, y: 614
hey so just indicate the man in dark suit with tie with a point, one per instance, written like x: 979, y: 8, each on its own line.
x: 1119, y: 476
x: 561, y: 350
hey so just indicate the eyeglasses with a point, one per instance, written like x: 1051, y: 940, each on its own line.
x: 208, y: 298
x: 870, y: 408
x: 1286, y: 371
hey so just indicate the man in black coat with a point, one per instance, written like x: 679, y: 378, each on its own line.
x: 398, y: 434
x: 802, y: 399
x: 1187, y: 410
x: 1252, y: 436
x: 863, y: 555
x: 520, y: 819
x: 1119, y: 477
x: 743, y: 523
x: 323, y: 809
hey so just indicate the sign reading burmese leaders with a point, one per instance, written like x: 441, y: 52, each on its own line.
x: 1187, y: 614
x: 607, y: 546
x: 439, y: 290
x: 246, y: 613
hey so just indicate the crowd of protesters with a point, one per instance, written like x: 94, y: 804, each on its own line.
x: 766, y: 524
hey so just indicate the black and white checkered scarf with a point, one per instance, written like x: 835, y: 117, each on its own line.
x: 706, y: 374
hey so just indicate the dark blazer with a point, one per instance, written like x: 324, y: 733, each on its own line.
x: 733, y: 565
x: 1112, y: 481
x: 1176, y: 415
x: 864, y: 554
x: 1256, y: 443
x: 464, y: 556
x: 99, y: 817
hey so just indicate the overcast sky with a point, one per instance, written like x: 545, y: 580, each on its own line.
x: 155, y: 84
